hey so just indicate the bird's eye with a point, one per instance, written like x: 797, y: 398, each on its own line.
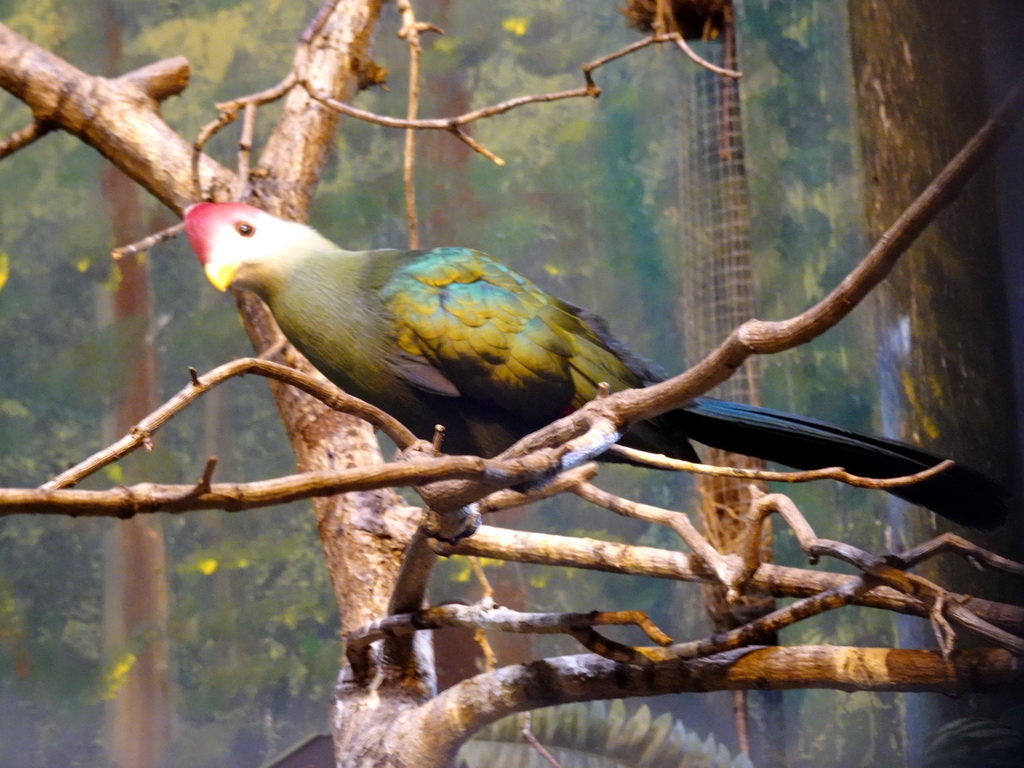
x: 245, y: 229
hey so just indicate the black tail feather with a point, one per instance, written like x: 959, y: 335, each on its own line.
x: 958, y: 493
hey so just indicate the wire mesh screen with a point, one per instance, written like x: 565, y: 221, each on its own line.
x: 717, y: 289
x: 714, y: 218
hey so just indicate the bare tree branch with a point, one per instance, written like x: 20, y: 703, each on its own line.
x: 768, y: 578
x: 316, y: 386
x: 587, y: 677
x: 24, y: 137
x: 100, y: 111
x: 655, y: 39
x: 888, y: 571
x: 486, y: 615
x: 803, y: 476
x: 410, y: 31
x: 450, y: 124
x: 147, y: 242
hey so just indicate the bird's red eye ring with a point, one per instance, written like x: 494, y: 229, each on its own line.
x: 245, y: 229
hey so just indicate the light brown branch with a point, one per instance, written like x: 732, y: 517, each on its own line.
x: 727, y: 568
x: 118, y: 117
x: 485, y: 615
x: 768, y: 578
x: 450, y: 124
x: 889, y: 572
x: 22, y: 138
x: 756, y: 630
x: 656, y: 39
x: 139, y: 434
x: 245, y: 148
x: 950, y: 542
x: 228, y: 114
x: 410, y: 31
x: 148, y: 498
x: 804, y: 476
x: 147, y: 242
x: 587, y: 677
x: 526, y: 731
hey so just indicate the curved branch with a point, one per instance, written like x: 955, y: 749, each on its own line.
x: 889, y: 572
x: 22, y: 138
x: 126, y: 501
x: 586, y: 677
x: 802, y: 476
x: 313, y: 385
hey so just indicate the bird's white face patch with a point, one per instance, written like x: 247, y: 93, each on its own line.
x: 226, y: 235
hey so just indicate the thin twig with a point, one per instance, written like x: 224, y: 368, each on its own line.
x: 655, y: 39
x: 526, y: 731
x: 229, y: 113
x: 245, y: 148
x: 881, y: 571
x: 450, y: 124
x: 679, y: 40
x: 804, y: 476
x: 950, y: 542
x: 147, y: 242
x: 140, y: 433
x: 410, y: 31
x: 481, y: 577
x: 22, y: 138
x: 727, y: 568
x: 486, y: 615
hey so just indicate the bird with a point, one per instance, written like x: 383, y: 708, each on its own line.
x: 451, y: 336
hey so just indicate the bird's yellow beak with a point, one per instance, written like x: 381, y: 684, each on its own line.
x: 220, y: 274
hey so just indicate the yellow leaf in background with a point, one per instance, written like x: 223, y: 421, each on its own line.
x: 445, y: 44
x: 117, y: 674
x: 83, y: 263
x: 517, y: 25
x: 5, y: 269
x: 207, y: 566
x: 114, y: 473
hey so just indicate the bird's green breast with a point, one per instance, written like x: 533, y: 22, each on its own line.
x: 328, y: 306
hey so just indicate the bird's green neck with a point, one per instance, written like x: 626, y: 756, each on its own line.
x: 326, y: 303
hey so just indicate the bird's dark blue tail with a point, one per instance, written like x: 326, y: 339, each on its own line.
x: 959, y: 493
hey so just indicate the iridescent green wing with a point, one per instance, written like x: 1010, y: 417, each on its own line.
x: 468, y: 325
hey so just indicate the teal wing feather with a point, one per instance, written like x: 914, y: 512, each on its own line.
x: 469, y: 326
